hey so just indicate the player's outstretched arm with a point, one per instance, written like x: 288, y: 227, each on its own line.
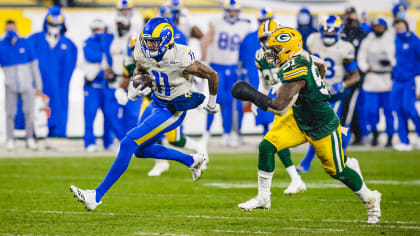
x: 205, y: 72
x: 286, y: 96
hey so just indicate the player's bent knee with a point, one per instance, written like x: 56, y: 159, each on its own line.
x: 266, y: 156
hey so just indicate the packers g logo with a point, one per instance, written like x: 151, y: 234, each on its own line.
x: 284, y: 37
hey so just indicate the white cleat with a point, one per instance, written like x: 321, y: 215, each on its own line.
x: 235, y: 140
x: 254, y: 203
x: 49, y: 145
x: 197, y: 166
x: 87, y: 197
x: 225, y: 140
x: 160, y: 167
x: 91, y: 148
x: 417, y: 145
x: 353, y: 163
x: 402, y: 147
x: 294, y: 187
x: 373, y: 206
x: 31, y: 144
x: 10, y: 146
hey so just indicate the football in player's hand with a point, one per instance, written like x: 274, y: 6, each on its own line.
x: 142, y: 79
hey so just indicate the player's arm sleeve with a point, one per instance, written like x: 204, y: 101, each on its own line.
x: 188, y: 58
x: 362, y: 56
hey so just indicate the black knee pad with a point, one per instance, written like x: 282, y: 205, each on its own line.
x: 244, y: 91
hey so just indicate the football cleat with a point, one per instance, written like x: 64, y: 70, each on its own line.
x: 226, y: 140
x: 197, y: 166
x: 373, y: 206
x: 417, y: 144
x: 87, y: 197
x: 10, y: 146
x: 402, y: 147
x: 295, y: 187
x: 92, y: 148
x: 353, y: 163
x: 254, y: 203
x: 31, y: 144
x: 160, y: 167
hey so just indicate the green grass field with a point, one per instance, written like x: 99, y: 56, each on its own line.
x: 35, y: 200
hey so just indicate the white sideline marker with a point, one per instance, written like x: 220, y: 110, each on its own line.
x: 398, y: 223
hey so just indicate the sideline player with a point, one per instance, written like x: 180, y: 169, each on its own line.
x: 340, y: 58
x: 171, y: 66
x: 222, y: 43
x: 311, y: 119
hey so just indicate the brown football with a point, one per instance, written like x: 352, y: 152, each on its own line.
x: 142, y: 78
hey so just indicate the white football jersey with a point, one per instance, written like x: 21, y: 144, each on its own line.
x: 333, y: 56
x: 169, y: 79
x: 224, y: 49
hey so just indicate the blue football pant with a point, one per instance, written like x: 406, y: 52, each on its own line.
x: 373, y: 101
x: 404, y: 99
x: 141, y: 140
x: 96, y: 98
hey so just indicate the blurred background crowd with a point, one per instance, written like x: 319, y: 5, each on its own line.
x: 65, y: 71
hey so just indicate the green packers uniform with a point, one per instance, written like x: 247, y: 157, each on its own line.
x: 269, y: 76
x: 310, y: 120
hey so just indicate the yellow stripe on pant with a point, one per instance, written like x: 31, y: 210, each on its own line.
x: 285, y: 133
x: 159, y: 129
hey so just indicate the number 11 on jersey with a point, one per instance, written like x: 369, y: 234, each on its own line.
x: 165, y: 78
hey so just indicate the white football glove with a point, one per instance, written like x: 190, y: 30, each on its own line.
x: 254, y: 109
x: 135, y: 93
x: 121, y: 96
x: 211, y: 106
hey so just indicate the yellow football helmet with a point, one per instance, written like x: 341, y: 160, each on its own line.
x: 265, y: 30
x: 283, y: 44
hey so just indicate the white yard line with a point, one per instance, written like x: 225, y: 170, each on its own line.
x: 413, y: 223
x: 314, y: 229
x: 240, y: 231
x: 160, y: 234
x: 314, y: 185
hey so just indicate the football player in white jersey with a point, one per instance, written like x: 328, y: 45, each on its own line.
x: 125, y: 29
x: 220, y: 47
x: 339, y: 57
x: 171, y: 67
